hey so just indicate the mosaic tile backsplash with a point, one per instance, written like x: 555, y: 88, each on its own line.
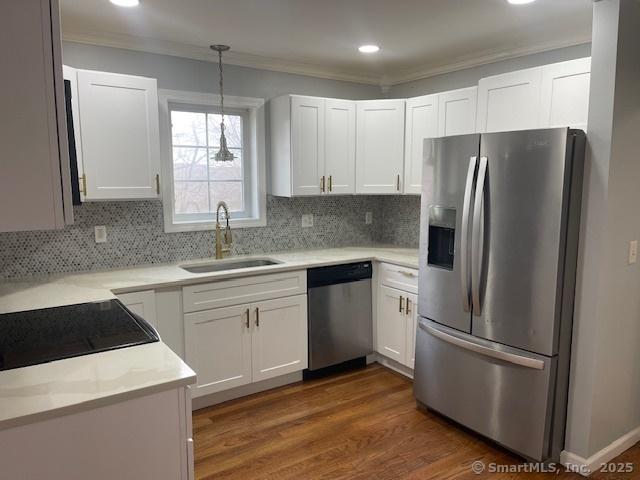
x: 135, y: 233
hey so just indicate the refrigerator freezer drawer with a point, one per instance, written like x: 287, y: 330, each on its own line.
x: 500, y: 392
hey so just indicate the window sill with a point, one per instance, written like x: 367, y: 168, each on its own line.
x: 204, y: 226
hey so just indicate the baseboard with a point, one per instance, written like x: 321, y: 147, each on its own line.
x: 586, y: 466
x: 395, y: 366
x: 226, y: 395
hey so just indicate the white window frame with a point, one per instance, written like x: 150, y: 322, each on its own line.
x: 254, y: 159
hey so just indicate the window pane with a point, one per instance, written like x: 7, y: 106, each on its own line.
x: 191, y: 197
x: 189, y: 163
x: 229, y: 192
x: 226, y: 170
x: 232, y: 129
x: 188, y: 128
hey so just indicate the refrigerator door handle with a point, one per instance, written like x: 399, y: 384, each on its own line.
x: 521, y: 360
x: 477, y: 235
x: 465, y: 274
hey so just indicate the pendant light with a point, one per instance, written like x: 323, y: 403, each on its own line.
x: 223, y: 155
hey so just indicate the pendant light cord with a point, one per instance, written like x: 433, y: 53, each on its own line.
x: 221, y: 91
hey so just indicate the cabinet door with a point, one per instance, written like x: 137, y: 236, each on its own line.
x: 411, y: 311
x: 218, y: 348
x: 31, y: 185
x: 340, y: 146
x: 565, y: 94
x: 142, y: 304
x: 510, y: 101
x: 307, y: 144
x: 379, y: 146
x: 119, y: 135
x: 421, y: 123
x: 279, y: 339
x: 457, y: 112
x: 392, y: 324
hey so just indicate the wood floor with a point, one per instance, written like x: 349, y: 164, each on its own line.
x: 358, y: 426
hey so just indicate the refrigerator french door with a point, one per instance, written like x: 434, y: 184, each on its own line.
x: 498, y: 250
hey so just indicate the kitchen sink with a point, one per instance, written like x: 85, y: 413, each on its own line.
x: 222, y: 265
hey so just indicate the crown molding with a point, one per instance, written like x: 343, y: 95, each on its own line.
x: 176, y: 49
x: 195, y: 52
x: 477, y: 61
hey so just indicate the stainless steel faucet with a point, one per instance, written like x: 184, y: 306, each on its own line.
x: 222, y: 250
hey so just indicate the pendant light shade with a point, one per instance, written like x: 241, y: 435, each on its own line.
x: 223, y: 154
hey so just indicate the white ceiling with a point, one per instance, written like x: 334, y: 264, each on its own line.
x: 418, y: 38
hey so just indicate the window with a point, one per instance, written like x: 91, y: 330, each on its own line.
x: 194, y: 182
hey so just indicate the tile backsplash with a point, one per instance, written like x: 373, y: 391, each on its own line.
x: 135, y: 234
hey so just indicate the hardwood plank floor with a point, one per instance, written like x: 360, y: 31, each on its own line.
x: 360, y: 425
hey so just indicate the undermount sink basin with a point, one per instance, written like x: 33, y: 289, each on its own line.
x: 223, y: 265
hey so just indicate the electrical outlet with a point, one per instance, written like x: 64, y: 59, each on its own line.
x: 101, y: 234
x: 368, y: 218
x: 307, y: 220
x: 633, y: 252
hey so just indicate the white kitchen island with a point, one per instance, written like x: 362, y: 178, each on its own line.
x: 124, y: 414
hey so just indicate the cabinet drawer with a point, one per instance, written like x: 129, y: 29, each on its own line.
x: 401, y: 278
x: 243, y: 290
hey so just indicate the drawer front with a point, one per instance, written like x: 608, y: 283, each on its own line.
x: 243, y: 290
x: 402, y: 278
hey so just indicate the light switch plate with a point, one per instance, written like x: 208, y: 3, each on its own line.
x: 307, y: 220
x: 633, y: 252
x: 100, y: 233
x: 368, y: 218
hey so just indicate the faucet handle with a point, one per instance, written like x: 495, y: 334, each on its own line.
x: 228, y: 238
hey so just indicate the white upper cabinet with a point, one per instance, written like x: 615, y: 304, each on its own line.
x: 340, y: 146
x: 312, y: 146
x: 118, y: 138
x: 457, y: 112
x: 379, y: 146
x: 34, y: 166
x: 438, y: 115
x: 564, y: 100
x: 421, y: 123
x: 307, y: 144
x: 510, y: 101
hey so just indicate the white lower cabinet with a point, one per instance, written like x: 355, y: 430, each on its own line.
x: 233, y: 346
x: 392, y: 324
x: 397, y: 316
x: 218, y: 348
x: 279, y: 338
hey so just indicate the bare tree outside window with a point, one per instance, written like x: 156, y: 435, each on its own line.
x: 199, y: 181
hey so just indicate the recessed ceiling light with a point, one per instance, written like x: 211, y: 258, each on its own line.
x: 126, y: 3
x: 520, y: 2
x: 368, y: 48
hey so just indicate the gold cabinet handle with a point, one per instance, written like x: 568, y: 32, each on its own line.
x: 330, y: 183
x: 398, y: 182
x: 257, y: 317
x: 247, y: 321
x: 157, y: 183
x: 407, y: 309
x: 400, y: 307
x: 322, y: 184
x: 83, y: 187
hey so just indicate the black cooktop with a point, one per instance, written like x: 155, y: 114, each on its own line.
x: 40, y: 336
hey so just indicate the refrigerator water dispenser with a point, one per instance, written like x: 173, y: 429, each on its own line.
x: 442, y: 233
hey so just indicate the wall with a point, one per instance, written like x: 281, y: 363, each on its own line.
x: 604, y: 401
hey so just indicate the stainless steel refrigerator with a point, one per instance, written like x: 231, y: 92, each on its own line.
x: 500, y: 216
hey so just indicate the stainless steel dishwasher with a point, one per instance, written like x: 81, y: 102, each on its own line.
x: 340, y: 323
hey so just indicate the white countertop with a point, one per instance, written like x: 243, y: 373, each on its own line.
x: 67, y: 386
x: 69, y: 289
